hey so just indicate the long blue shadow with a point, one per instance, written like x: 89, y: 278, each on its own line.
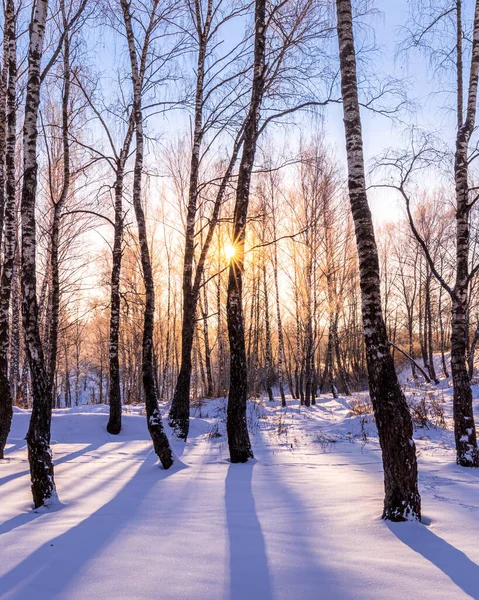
x: 26, y: 517
x: 249, y: 572
x: 16, y: 445
x: 53, y: 567
x: 451, y: 561
x: 66, y: 458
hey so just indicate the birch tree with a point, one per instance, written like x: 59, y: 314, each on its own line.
x: 467, y: 453
x: 59, y: 203
x: 447, y: 22
x: 236, y: 425
x: 3, y: 112
x: 114, y: 421
x: 117, y: 161
x: 402, y: 500
x: 6, y: 411
x: 293, y: 30
x: 279, y: 319
x: 215, y: 107
x: 153, y: 415
x: 38, y: 436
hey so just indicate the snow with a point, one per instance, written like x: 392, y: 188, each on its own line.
x: 301, y: 521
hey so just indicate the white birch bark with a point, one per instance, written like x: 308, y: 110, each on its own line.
x: 402, y: 500
x: 38, y: 436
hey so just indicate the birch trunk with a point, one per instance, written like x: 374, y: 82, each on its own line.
x: 402, y: 500
x: 114, y: 421
x: 329, y: 366
x: 328, y: 373
x: 278, y: 315
x: 58, y: 207
x: 236, y: 425
x: 467, y: 453
x: 472, y: 352
x: 180, y: 406
x: 280, y: 331
x: 298, y: 357
x: 14, y: 372
x: 339, y: 361
x: 180, y: 411
x: 166, y: 364
x: 428, y: 334
x: 410, y: 327
x: 6, y: 410
x: 441, y: 333
x: 221, y: 385
x: 268, y: 352
x: 153, y: 415
x: 38, y: 436
x: 201, y: 366
x: 3, y: 114
x: 206, y: 338
x: 308, y: 336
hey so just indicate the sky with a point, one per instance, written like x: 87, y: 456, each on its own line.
x: 379, y: 133
x: 431, y: 109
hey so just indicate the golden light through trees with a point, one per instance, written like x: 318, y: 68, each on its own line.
x: 230, y: 251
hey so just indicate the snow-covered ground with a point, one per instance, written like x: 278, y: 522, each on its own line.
x: 301, y: 521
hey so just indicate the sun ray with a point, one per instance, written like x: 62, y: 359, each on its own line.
x: 230, y: 251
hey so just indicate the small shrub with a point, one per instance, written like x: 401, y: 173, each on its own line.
x: 428, y: 410
x: 437, y: 411
x: 325, y: 440
x: 282, y: 428
x: 360, y: 406
x: 196, y: 407
x: 220, y: 411
x: 364, y: 435
x: 214, y: 432
x: 254, y: 412
x: 419, y: 412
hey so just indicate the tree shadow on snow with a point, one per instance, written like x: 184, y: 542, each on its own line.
x: 54, y: 566
x: 26, y: 517
x: 451, y: 561
x: 14, y: 445
x: 249, y: 572
x: 56, y: 461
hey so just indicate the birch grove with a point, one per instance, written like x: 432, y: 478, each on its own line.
x: 178, y: 224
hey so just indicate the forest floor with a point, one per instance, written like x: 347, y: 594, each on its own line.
x: 301, y: 521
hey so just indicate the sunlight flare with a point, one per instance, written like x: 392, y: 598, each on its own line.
x: 230, y: 251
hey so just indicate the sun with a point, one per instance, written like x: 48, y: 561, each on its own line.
x: 230, y: 251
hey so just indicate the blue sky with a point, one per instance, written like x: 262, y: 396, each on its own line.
x: 379, y: 133
x: 432, y: 102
